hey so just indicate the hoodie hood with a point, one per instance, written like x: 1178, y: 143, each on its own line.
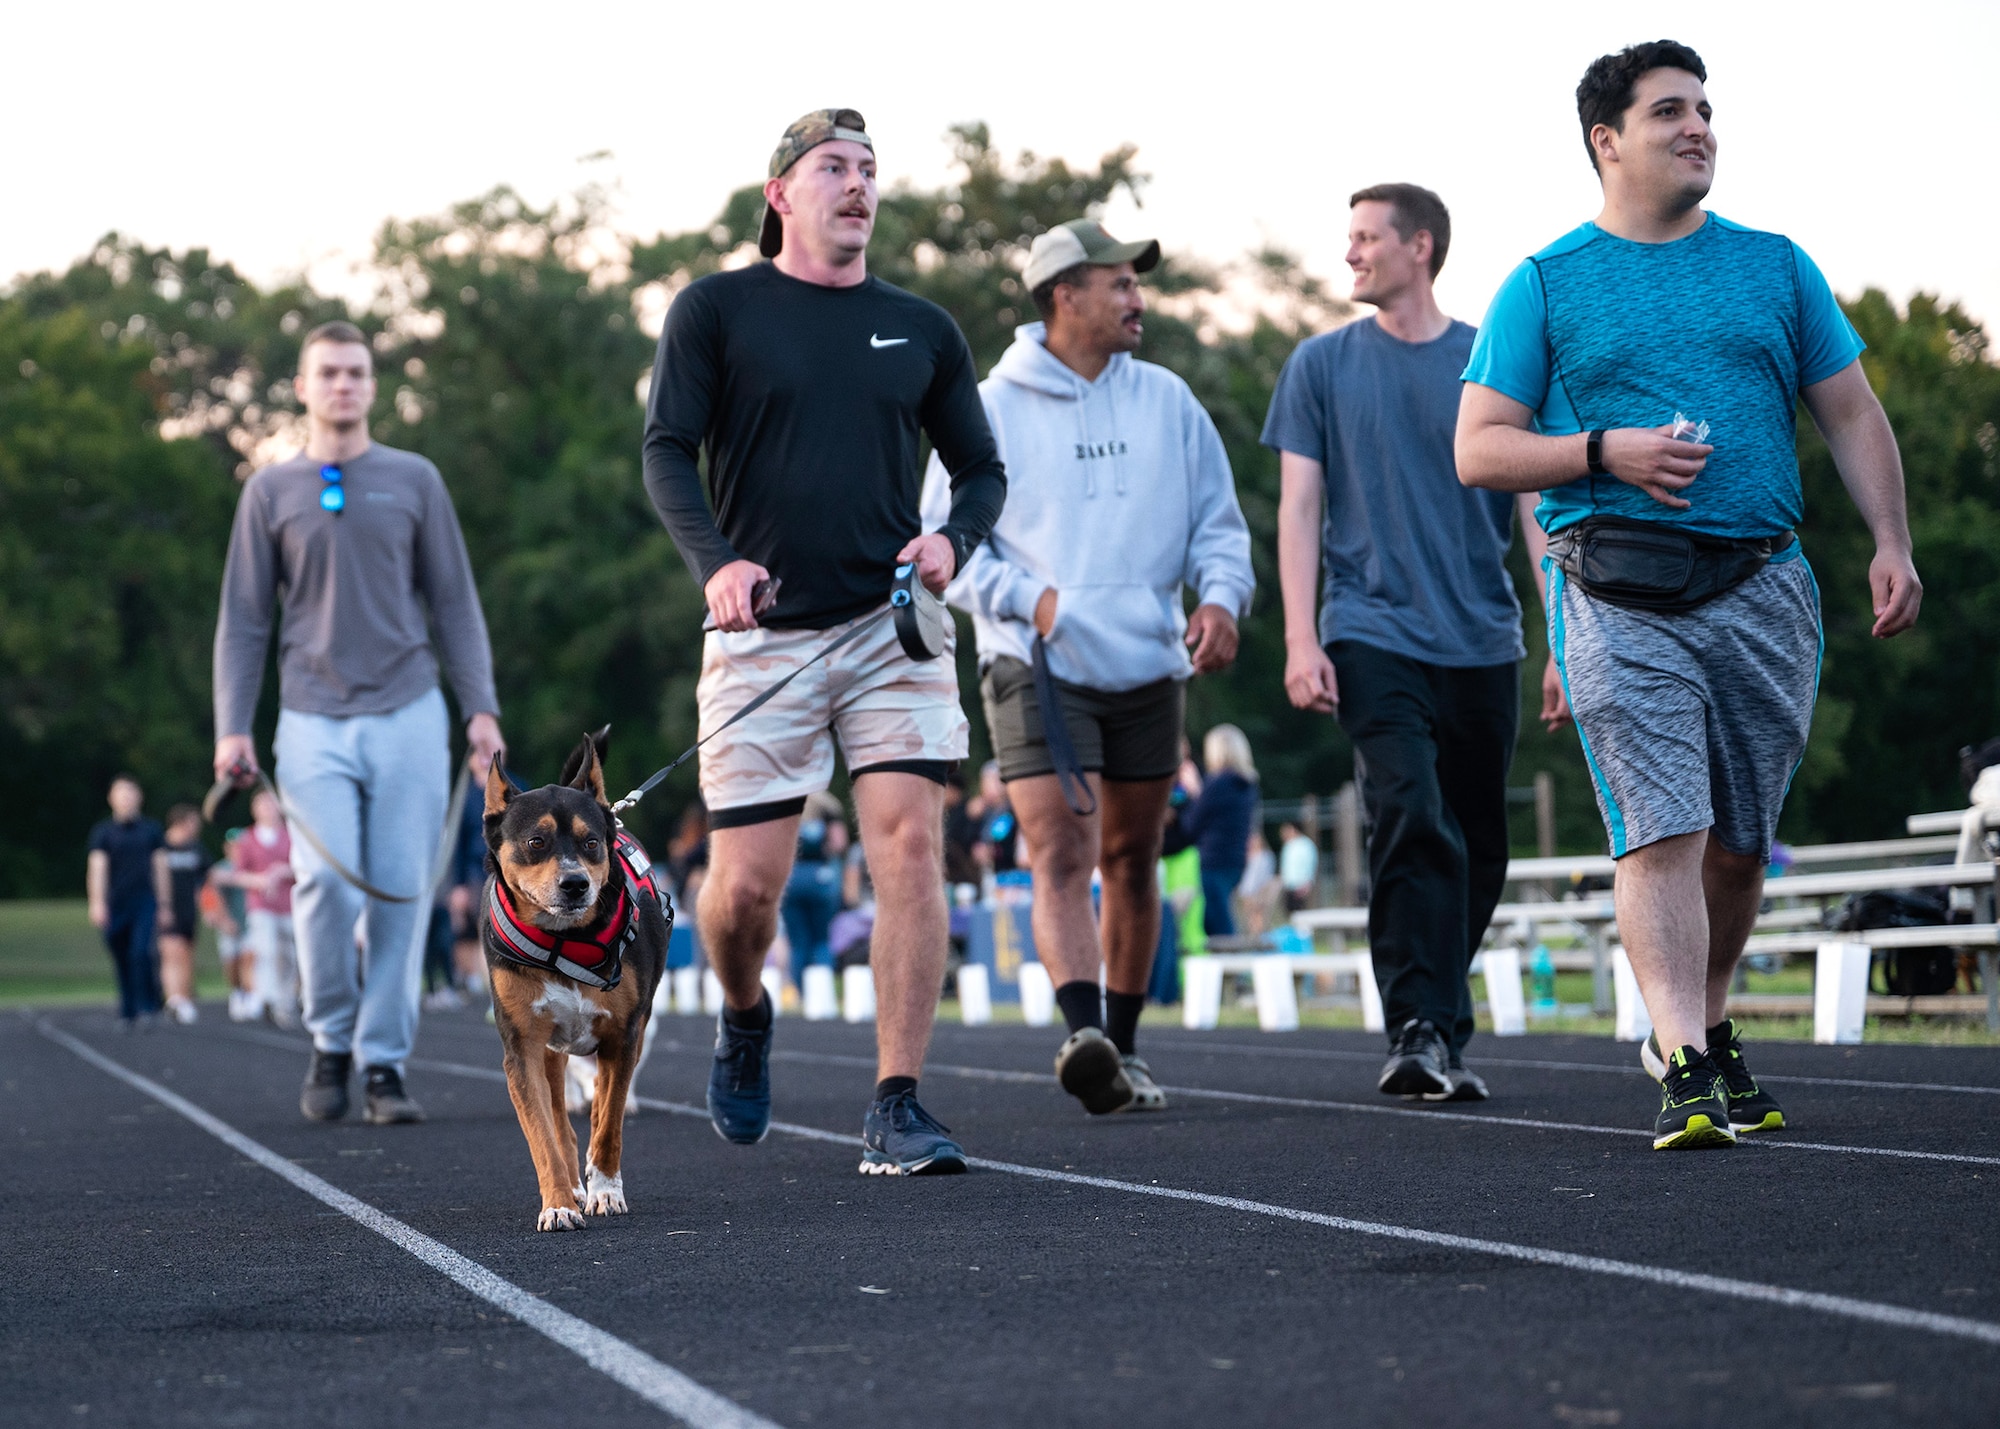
x: 1028, y: 363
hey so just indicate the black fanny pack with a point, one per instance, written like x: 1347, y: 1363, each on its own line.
x: 1644, y: 566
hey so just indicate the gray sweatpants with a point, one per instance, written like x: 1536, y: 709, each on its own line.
x: 1697, y: 720
x: 374, y: 787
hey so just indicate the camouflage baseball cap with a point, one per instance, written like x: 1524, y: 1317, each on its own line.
x: 809, y: 131
x: 1083, y: 240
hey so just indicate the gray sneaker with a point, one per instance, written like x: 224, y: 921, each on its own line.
x: 1419, y: 1062
x: 324, y: 1096
x: 1090, y: 1069
x: 1146, y: 1093
x: 1465, y: 1086
x: 388, y: 1103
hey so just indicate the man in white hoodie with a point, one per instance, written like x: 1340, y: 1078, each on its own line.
x: 1120, y: 495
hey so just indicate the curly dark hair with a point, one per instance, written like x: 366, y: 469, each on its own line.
x: 1605, y: 92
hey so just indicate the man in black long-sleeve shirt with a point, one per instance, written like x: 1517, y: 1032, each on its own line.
x: 810, y: 383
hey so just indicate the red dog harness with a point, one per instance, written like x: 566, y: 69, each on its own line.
x: 596, y: 960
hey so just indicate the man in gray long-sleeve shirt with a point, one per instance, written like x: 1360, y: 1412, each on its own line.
x: 360, y: 545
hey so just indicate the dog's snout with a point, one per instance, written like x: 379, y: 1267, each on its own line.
x: 573, y: 885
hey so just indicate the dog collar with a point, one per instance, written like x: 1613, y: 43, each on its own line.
x: 597, y: 959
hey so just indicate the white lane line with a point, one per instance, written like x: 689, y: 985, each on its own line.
x: 658, y: 1384
x: 1429, y: 1113
x: 1846, y: 1307
x: 1189, y: 1044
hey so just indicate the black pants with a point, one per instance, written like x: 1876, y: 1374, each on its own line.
x: 134, y: 956
x: 1431, y: 749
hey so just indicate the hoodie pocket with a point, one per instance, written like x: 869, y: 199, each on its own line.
x: 1115, y: 637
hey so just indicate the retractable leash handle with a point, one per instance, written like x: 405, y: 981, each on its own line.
x: 920, y: 616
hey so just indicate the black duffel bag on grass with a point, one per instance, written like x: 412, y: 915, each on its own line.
x: 1906, y: 972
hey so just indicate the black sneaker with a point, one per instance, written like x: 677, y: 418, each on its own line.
x: 1465, y: 1086
x: 739, y: 1080
x: 1751, y: 1108
x: 900, y: 1138
x: 324, y: 1097
x: 1090, y: 1069
x: 1694, y: 1104
x: 1419, y: 1062
x: 388, y: 1103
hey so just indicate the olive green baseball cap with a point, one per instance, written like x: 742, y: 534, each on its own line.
x: 807, y: 132
x: 1083, y: 240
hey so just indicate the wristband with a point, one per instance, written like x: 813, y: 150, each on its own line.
x: 1593, y: 453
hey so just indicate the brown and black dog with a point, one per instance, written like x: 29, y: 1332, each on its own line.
x: 576, y: 944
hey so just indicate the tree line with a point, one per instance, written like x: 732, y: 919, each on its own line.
x: 139, y: 386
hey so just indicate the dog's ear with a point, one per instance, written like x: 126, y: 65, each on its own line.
x: 499, y: 793
x: 589, y: 776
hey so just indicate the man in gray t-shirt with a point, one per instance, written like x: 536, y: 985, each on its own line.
x: 1416, y: 637
x: 359, y: 545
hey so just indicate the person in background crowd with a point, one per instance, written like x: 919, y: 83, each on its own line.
x: 812, y: 893
x: 224, y: 907
x: 1298, y: 867
x: 1217, y: 820
x: 121, y: 883
x: 182, y: 869
x: 999, y: 832
x: 1414, y: 642
x: 1257, y: 890
x: 263, y: 870
x: 356, y: 545
x: 464, y: 882
x: 686, y: 861
x: 960, y: 835
x: 1606, y: 363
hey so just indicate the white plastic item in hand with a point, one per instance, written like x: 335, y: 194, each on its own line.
x: 1687, y: 429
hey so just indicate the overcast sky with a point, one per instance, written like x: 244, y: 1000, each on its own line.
x: 280, y: 136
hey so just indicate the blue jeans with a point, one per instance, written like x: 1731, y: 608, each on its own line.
x: 130, y: 940
x: 374, y: 787
x: 812, y: 897
x: 1218, y: 885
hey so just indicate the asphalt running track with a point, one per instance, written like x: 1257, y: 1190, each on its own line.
x: 1283, y: 1246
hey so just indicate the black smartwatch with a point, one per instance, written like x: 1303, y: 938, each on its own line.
x: 1593, y: 453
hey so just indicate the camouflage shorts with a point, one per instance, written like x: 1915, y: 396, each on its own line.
x: 880, y: 704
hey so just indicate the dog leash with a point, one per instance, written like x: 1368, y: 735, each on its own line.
x: 762, y: 698
x: 211, y: 805
x: 1055, y: 733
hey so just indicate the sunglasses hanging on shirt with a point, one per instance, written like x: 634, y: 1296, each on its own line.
x: 332, y: 496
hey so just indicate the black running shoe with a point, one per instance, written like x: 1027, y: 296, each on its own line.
x: 1465, y: 1086
x: 1694, y: 1104
x: 324, y: 1096
x: 900, y: 1138
x: 388, y: 1103
x: 1090, y: 1069
x: 1419, y: 1062
x: 1751, y: 1108
x: 739, y: 1080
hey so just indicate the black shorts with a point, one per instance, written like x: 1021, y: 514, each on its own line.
x: 1124, y: 735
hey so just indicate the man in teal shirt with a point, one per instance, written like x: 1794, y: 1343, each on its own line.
x: 1642, y: 372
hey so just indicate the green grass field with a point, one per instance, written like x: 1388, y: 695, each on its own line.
x: 50, y: 956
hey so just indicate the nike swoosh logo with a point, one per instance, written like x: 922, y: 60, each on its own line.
x: 874, y: 341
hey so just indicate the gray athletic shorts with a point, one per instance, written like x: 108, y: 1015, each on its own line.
x: 1122, y: 735
x: 1693, y: 721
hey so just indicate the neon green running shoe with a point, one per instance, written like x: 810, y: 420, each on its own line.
x: 1751, y: 1108
x: 1694, y: 1104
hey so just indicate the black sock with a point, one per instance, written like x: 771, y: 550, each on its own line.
x: 1081, y: 1004
x: 750, y: 1019
x: 894, y: 1087
x: 1121, y: 1018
